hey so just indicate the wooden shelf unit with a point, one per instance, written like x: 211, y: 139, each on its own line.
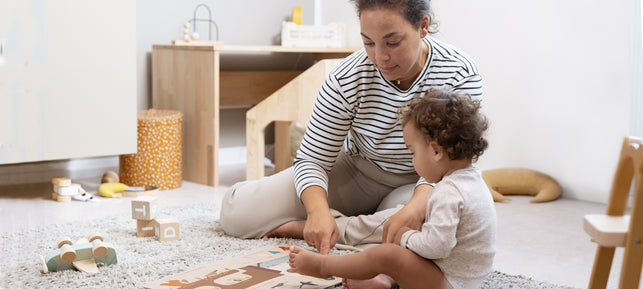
x: 188, y: 78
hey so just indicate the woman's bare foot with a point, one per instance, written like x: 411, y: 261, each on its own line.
x: 292, y: 229
x: 306, y: 262
x: 380, y: 281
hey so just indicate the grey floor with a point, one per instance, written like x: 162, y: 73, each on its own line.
x: 544, y: 241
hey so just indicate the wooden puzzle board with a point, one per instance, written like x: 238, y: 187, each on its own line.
x: 262, y: 269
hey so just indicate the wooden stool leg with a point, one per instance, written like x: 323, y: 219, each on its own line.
x: 602, y: 267
x: 631, y: 270
x: 633, y: 256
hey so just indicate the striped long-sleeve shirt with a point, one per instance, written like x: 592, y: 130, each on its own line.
x: 357, y: 109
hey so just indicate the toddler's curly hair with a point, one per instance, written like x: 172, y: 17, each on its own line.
x: 453, y: 120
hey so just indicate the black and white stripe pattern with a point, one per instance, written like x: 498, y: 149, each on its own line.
x: 357, y: 108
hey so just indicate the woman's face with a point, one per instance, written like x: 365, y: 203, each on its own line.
x: 393, y: 44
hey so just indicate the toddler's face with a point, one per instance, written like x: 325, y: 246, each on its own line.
x: 424, y: 154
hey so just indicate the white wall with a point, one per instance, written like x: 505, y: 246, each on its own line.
x: 248, y: 22
x: 342, y: 11
x: 557, y: 74
x: 557, y: 78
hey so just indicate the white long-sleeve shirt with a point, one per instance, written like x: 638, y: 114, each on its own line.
x: 357, y: 109
x: 459, y: 233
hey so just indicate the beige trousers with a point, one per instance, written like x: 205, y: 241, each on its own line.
x: 362, y: 197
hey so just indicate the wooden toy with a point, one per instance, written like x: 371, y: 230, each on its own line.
x: 145, y: 208
x: 145, y: 228
x: 263, y: 269
x: 132, y: 192
x: 60, y: 198
x: 112, y: 190
x: 65, y: 191
x: 110, y: 177
x: 84, y: 255
x: 166, y: 229
x: 61, y: 181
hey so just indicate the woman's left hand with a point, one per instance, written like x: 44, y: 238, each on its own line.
x: 410, y: 216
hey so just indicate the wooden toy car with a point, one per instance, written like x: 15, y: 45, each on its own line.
x: 83, y: 255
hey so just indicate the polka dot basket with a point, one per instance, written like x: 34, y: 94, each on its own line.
x: 158, y: 161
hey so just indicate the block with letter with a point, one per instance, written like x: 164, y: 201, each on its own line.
x: 166, y: 229
x: 145, y: 208
x: 145, y: 228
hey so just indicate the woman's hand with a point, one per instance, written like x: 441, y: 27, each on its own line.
x: 320, y: 230
x: 410, y: 216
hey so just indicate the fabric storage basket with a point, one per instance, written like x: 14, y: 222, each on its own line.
x: 158, y: 161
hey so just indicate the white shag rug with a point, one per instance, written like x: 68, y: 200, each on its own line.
x: 142, y: 260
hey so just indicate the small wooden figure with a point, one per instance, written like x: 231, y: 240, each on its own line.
x: 62, y: 184
x: 166, y: 229
x: 83, y: 255
x: 65, y: 191
x: 145, y: 228
x: 61, y: 181
x: 110, y: 177
x: 145, y: 208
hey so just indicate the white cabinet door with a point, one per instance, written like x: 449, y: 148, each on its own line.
x: 67, y: 79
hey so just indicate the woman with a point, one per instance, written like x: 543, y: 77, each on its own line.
x: 352, y: 160
x: 456, y: 244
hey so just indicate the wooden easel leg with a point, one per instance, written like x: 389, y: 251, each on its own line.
x: 602, y: 266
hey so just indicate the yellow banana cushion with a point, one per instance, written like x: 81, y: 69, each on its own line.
x: 519, y: 181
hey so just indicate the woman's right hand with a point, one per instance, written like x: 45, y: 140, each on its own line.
x: 320, y: 230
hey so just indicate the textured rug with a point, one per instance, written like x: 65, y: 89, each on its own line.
x: 141, y: 260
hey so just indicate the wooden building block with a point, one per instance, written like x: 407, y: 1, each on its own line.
x: 166, y: 229
x: 145, y: 208
x: 61, y: 181
x: 145, y: 228
x: 71, y: 189
x: 60, y: 198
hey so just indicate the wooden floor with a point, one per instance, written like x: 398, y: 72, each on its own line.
x: 543, y: 241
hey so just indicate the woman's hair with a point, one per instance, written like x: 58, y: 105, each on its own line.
x: 412, y: 10
x: 453, y: 120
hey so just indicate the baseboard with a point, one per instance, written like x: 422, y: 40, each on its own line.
x: 238, y: 155
x: 40, y: 172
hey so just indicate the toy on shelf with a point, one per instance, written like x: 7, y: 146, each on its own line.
x: 85, y: 255
x: 65, y: 191
x: 295, y: 34
x: 191, y: 37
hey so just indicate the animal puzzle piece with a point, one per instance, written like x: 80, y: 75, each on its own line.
x: 84, y: 255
